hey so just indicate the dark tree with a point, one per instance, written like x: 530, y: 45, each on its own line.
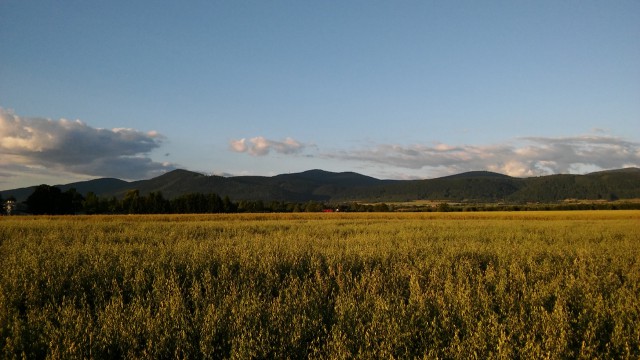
x: 43, y: 200
x: 156, y: 204
x: 92, y: 204
x: 51, y: 200
x: 71, y: 202
x: 443, y: 207
x: 132, y: 204
x: 228, y: 206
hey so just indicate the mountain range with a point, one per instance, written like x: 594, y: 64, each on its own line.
x: 319, y: 185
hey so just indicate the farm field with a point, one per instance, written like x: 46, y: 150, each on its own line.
x: 315, y: 285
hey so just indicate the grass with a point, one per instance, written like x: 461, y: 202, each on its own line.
x: 392, y: 285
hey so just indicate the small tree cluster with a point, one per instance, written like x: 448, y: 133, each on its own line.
x: 50, y: 200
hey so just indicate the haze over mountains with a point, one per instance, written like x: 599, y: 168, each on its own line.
x: 319, y: 185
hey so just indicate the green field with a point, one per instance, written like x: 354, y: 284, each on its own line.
x: 393, y: 285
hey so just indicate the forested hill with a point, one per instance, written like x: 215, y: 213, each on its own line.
x: 319, y: 185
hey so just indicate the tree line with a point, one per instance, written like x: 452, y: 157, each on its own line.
x: 51, y: 200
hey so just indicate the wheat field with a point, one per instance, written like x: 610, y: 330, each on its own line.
x: 329, y: 286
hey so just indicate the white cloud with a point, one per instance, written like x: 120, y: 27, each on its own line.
x: 260, y: 146
x: 238, y: 145
x: 75, y: 147
x: 528, y: 156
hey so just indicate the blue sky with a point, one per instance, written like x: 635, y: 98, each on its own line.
x: 402, y: 89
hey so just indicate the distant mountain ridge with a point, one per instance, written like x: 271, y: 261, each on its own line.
x: 320, y: 185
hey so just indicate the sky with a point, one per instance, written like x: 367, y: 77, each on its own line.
x: 389, y: 89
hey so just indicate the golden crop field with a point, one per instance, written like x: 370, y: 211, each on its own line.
x: 339, y: 285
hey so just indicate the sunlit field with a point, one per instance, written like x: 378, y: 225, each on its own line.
x: 322, y: 285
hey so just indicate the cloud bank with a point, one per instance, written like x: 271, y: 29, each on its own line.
x: 520, y: 157
x: 530, y: 156
x: 73, y: 146
x: 260, y: 146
